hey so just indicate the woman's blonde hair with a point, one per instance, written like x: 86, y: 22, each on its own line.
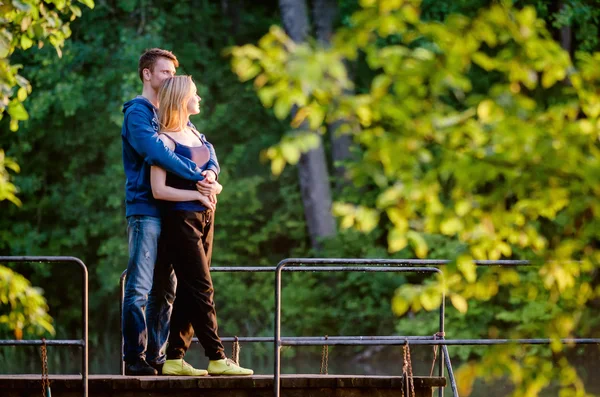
x: 173, y: 97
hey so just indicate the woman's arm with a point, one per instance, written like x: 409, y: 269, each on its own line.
x: 161, y: 191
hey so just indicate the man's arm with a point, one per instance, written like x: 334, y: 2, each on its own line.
x: 213, y: 163
x: 144, y: 140
x: 160, y: 190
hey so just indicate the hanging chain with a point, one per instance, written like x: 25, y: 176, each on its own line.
x: 435, y: 352
x: 410, y: 371
x: 45, y: 378
x: 235, y: 350
x: 325, y: 358
x: 436, y: 336
x: 407, y: 371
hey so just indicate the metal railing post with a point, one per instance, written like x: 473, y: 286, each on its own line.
x: 122, y: 292
x: 277, y: 331
x: 329, y: 261
x: 83, y: 343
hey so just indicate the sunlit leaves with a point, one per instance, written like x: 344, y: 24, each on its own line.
x: 27, y: 311
x: 8, y: 190
x: 363, y: 218
x: 509, y: 166
x: 26, y: 24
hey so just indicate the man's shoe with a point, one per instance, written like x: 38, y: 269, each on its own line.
x: 139, y: 368
x: 227, y: 366
x: 181, y: 368
x: 157, y: 366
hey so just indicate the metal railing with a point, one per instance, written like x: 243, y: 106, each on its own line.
x: 83, y: 342
x: 391, y: 265
x: 357, y: 265
x: 371, y: 265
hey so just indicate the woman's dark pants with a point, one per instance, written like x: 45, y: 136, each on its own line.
x: 188, y: 238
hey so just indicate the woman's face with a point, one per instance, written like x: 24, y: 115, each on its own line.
x: 193, y: 105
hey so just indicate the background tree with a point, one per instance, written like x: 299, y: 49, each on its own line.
x: 312, y: 164
x: 71, y: 187
x: 25, y: 24
x: 467, y: 131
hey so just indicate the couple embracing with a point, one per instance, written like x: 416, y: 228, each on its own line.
x: 171, y: 196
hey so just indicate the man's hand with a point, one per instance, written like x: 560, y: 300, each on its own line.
x: 209, y: 175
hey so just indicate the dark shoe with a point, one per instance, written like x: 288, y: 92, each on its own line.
x: 158, y: 367
x: 139, y: 368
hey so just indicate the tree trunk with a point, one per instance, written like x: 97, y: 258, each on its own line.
x: 316, y: 194
x: 566, y: 33
x: 295, y: 19
x: 312, y: 167
x: 566, y: 40
x: 231, y: 10
x: 324, y: 13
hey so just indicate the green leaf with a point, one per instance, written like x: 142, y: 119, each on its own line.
x: 26, y: 42
x: 418, y: 243
x: 431, y: 299
x: 396, y: 240
x: 88, y: 3
x: 459, y: 303
x: 290, y: 152
x: 451, y: 226
x: 399, y: 305
x: 467, y: 267
x: 22, y: 94
x: 21, y: 6
x: 282, y: 107
x: 4, y: 46
x: 366, y: 219
x: 17, y: 111
x: 76, y: 11
x: 25, y: 23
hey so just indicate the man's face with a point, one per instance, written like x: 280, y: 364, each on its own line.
x: 163, y: 69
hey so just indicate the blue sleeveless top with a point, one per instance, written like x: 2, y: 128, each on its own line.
x: 199, y: 155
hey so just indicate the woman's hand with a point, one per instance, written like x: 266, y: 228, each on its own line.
x: 209, y: 188
x: 207, y: 201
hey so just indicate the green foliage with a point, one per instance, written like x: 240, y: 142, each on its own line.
x: 25, y: 24
x: 71, y: 181
x: 505, y: 167
x: 7, y: 189
x: 23, y: 309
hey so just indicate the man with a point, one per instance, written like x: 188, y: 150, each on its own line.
x: 146, y: 314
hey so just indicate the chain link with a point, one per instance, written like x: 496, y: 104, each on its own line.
x: 235, y: 350
x: 436, y: 336
x: 325, y: 358
x: 407, y: 371
x: 45, y: 378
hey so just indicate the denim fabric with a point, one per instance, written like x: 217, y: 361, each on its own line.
x: 160, y: 307
x: 144, y: 232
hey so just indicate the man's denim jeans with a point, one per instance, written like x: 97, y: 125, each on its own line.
x: 146, y: 307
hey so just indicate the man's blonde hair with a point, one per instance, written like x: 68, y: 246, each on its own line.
x: 173, y: 97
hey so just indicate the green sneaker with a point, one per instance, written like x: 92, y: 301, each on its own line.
x: 227, y: 366
x: 181, y: 368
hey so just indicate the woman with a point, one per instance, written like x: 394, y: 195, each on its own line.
x: 187, y: 230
